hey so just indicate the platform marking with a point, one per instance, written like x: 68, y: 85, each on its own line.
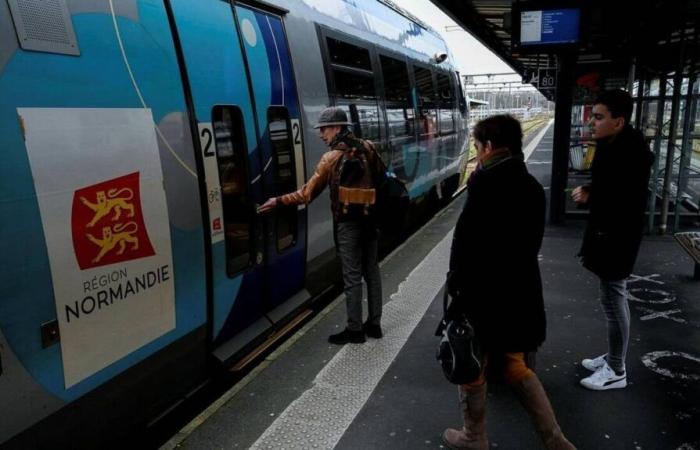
x: 665, y: 297
x: 179, y: 438
x: 652, y: 314
x: 536, y: 141
x: 686, y: 446
x: 650, y: 358
x: 322, y: 414
x: 636, y: 278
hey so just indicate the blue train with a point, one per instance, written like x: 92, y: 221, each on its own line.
x: 137, y: 138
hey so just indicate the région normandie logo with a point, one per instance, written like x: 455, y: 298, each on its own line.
x: 107, y: 223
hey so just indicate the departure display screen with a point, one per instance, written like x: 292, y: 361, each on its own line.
x: 549, y: 26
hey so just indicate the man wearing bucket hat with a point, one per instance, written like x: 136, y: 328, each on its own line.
x: 355, y: 234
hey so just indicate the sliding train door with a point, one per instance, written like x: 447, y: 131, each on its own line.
x: 277, y: 114
x: 225, y: 125
x: 247, y: 118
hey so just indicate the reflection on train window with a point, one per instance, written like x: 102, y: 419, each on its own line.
x: 280, y: 129
x: 446, y: 104
x: 354, y: 86
x: 427, y: 107
x: 397, y: 90
x: 231, y: 156
x: 345, y: 54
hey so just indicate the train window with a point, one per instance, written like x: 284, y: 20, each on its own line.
x: 446, y: 104
x: 427, y: 105
x: 345, y: 54
x: 280, y: 130
x: 231, y: 157
x: 364, y: 116
x: 356, y: 93
x: 397, y: 90
x: 353, y: 81
x: 352, y: 85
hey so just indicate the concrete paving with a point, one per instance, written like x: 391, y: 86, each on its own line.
x: 390, y: 393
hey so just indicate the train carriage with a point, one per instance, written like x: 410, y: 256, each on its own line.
x: 138, y: 138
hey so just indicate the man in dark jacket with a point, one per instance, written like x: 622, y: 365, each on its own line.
x: 615, y: 225
x: 495, y: 280
x: 356, y: 235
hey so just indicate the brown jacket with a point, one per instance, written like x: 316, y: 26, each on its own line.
x: 326, y: 173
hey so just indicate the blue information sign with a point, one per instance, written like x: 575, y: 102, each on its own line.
x: 550, y: 26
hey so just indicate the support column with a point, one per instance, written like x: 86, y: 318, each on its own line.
x: 686, y: 146
x: 671, y: 146
x: 670, y: 151
x: 562, y: 136
x: 657, y: 151
x: 640, y: 99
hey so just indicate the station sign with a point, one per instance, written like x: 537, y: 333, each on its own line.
x: 547, y: 78
x: 542, y: 78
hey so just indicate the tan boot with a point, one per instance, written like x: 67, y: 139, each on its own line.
x: 473, y: 435
x: 535, y: 401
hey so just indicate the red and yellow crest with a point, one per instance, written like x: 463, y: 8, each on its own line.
x: 107, y: 223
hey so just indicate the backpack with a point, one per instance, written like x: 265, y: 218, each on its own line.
x: 356, y: 189
x: 366, y: 189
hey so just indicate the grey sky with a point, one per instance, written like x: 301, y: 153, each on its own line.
x: 471, y: 56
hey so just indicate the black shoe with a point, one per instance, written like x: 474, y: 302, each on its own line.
x: 345, y: 336
x: 373, y: 331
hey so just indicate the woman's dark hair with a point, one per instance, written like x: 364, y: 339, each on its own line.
x: 502, y: 130
x: 618, y: 102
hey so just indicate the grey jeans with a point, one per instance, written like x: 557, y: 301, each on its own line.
x: 357, y: 247
x: 613, y: 297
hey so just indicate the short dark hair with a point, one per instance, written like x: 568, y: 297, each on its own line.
x: 502, y: 130
x: 618, y: 102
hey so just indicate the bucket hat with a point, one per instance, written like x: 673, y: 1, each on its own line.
x: 332, y: 116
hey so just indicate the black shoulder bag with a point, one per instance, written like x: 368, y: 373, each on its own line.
x: 459, y: 352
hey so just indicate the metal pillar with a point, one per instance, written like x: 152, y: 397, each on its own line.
x: 562, y: 136
x: 657, y: 150
x: 671, y: 146
x: 686, y: 146
x: 670, y: 151
x: 640, y: 100
x: 630, y: 77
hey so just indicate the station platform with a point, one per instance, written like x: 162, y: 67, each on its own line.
x: 391, y: 394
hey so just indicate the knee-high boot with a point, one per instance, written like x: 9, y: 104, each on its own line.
x: 534, y: 399
x: 472, y: 436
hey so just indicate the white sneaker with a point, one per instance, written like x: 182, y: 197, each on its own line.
x: 605, y: 378
x: 595, y: 363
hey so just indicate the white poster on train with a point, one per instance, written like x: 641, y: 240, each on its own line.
x: 99, y: 184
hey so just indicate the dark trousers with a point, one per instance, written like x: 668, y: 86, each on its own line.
x: 356, y: 243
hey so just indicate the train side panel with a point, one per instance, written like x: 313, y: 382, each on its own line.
x: 101, y: 258
x: 428, y: 161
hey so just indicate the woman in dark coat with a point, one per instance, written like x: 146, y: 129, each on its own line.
x: 495, y: 279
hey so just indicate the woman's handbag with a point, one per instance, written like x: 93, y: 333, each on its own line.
x: 459, y: 352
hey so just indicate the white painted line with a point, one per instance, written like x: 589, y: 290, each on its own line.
x: 535, y: 142
x: 662, y: 297
x: 653, y: 314
x: 650, y: 360
x: 322, y: 414
x: 188, y: 429
x: 635, y: 278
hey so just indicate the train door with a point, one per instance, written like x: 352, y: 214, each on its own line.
x: 277, y: 112
x: 225, y: 124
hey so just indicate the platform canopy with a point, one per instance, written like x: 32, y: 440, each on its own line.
x: 659, y: 35
x: 571, y: 50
